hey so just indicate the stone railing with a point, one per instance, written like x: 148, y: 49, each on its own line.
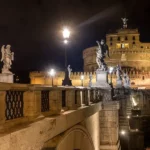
x: 22, y: 104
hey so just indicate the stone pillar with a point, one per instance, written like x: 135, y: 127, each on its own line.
x: 88, y: 97
x: 2, y: 107
x: 32, y: 103
x: 55, y: 101
x: 70, y: 99
x: 109, y: 135
x: 82, y: 97
x: 78, y: 98
x: 85, y: 98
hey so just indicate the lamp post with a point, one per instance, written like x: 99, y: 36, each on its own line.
x: 66, y: 35
x: 110, y: 71
x: 52, y: 74
x: 82, y: 78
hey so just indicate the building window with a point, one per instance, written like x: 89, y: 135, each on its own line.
x: 111, y: 44
x: 141, y: 46
x: 133, y: 42
x: 126, y: 38
x: 133, y: 37
x: 118, y: 38
x: 123, y: 45
x: 143, y: 78
x: 111, y: 38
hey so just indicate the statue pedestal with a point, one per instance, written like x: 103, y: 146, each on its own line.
x: 6, y: 77
x: 102, y: 79
x: 67, y: 80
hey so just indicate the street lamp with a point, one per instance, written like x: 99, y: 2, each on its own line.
x: 110, y: 71
x: 82, y: 78
x: 123, y: 132
x: 52, y: 74
x: 66, y: 35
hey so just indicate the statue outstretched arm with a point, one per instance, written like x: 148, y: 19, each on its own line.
x: 2, y: 51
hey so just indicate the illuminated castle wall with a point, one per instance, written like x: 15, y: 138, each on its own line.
x: 137, y: 78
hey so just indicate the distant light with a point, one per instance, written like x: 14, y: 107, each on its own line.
x: 66, y: 41
x: 128, y: 117
x: 66, y: 33
x: 111, y: 69
x: 123, y: 132
x: 52, y: 72
x: 137, y: 129
x: 134, y: 101
x: 82, y: 77
x: 137, y: 115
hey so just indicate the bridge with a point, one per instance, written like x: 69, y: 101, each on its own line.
x: 40, y: 117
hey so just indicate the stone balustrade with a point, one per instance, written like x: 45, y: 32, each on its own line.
x: 21, y: 103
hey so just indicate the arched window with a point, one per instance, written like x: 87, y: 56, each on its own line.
x: 133, y: 37
x: 111, y: 44
x: 118, y: 38
x: 133, y: 42
x: 111, y: 38
x: 126, y: 38
x: 141, y: 46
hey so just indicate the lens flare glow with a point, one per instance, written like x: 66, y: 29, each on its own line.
x: 66, y: 33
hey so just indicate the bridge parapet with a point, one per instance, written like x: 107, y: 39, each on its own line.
x: 22, y: 103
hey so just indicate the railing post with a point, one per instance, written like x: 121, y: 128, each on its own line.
x: 32, y: 103
x: 82, y: 97
x: 2, y: 107
x: 86, y: 97
x: 94, y: 95
x: 78, y: 98
x: 55, y: 101
x: 70, y: 98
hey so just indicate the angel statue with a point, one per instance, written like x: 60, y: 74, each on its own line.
x: 124, y: 22
x: 101, y: 53
x: 69, y: 71
x: 118, y: 72
x: 126, y: 80
x: 7, y: 57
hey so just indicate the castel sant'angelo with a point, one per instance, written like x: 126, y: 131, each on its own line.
x: 125, y: 49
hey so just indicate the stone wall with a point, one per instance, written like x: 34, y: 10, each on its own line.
x: 137, y: 78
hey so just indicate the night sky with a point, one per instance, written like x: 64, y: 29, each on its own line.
x: 33, y: 28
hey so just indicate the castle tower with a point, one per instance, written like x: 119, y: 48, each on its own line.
x: 125, y: 48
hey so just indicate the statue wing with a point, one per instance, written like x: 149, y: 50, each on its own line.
x: 2, y: 51
x: 98, y: 44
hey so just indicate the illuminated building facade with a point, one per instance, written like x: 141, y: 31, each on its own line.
x: 125, y: 49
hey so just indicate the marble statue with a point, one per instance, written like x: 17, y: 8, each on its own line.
x: 102, y: 52
x: 69, y: 71
x: 7, y: 58
x: 119, y: 76
x: 126, y: 80
x: 118, y: 72
x: 90, y: 79
x: 124, y: 22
